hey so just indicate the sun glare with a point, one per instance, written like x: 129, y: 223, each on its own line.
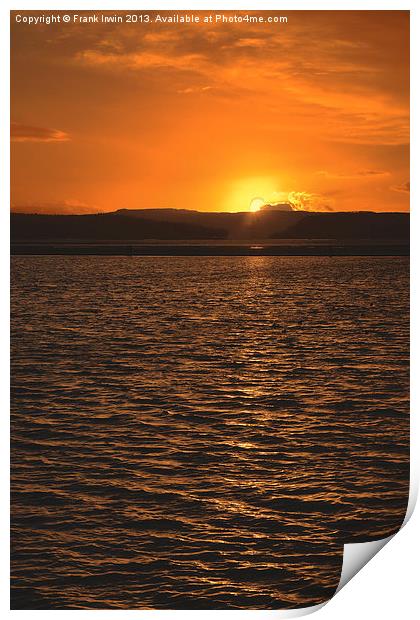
x: 256, y: 204
x: 250, y: 193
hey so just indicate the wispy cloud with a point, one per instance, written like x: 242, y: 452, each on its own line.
x: 302, y: 200
x: 307, y: 201
x: 29, y: 133
x: 191, y: 90
x: 359, y: 174
x: 138, y: 60
x: 350, y: 82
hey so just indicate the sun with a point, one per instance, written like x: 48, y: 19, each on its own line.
x: 256, y: 204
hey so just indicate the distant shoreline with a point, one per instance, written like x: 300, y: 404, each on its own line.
x: 210, y: 248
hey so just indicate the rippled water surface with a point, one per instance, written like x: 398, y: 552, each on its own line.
x: 192, y: 432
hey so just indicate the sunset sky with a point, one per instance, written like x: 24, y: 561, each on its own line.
x: 212, y: 116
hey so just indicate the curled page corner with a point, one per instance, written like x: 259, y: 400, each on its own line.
x: 357, y: 555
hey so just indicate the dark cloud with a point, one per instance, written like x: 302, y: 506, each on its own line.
x: 373, y: 173
x: 20, y: 132
x: 404, y: 188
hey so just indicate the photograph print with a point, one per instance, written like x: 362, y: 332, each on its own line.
x: 209, y: 304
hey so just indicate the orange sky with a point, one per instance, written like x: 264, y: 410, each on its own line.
x: 211, y: 116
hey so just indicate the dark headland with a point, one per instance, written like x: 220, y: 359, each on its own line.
x: 183, y: 232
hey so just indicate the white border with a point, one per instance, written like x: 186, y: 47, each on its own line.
x: 387, y: 586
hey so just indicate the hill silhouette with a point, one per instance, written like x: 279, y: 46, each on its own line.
x: 180, y: 224
x: 103, y: 227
